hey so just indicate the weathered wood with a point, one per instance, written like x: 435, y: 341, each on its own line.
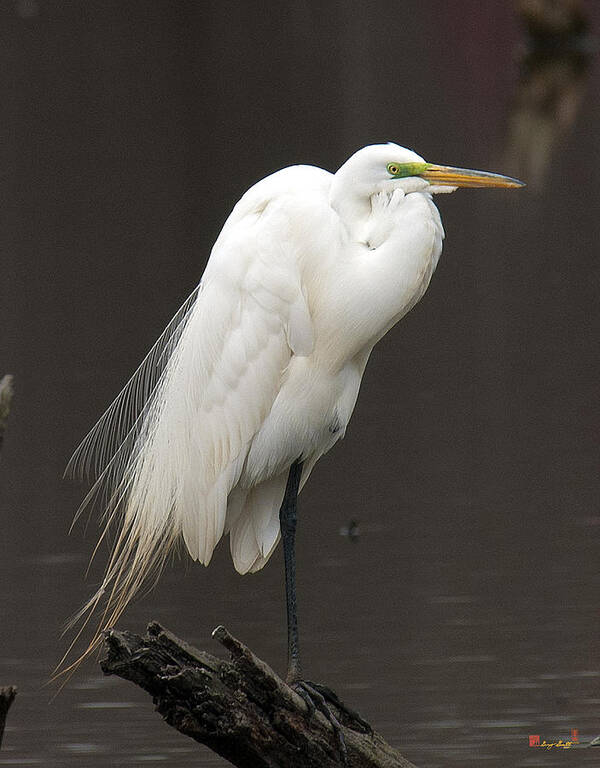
x: 239, y: 708
x: 7, y: 696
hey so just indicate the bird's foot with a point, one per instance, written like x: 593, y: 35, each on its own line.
x: 316, y: 701
x: 321, y: 698
x: 348, y: 717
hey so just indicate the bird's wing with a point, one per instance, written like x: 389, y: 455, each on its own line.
x: 180, y: 451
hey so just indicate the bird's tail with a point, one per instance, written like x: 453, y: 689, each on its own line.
x: 117, y: 452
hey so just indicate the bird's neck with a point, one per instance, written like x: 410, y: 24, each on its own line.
x: 352, y: 204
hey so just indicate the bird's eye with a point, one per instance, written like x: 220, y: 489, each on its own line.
x: 393, y: 168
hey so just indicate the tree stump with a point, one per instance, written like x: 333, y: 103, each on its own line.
x: 239, y: 708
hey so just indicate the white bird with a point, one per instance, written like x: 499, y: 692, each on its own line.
x: 258, y: 374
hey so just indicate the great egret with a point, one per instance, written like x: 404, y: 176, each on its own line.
x: 257, y: 375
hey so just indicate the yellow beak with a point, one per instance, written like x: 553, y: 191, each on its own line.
x: 444, y: 175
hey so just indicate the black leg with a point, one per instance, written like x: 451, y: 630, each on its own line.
x: 287, y: 521
x: 316, y: 696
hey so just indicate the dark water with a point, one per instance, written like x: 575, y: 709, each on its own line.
x: 465, y: 617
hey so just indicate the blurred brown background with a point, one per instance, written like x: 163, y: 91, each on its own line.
x: 465, y: 616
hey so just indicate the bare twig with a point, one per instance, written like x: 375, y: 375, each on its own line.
x: 6, y: 393
x: 7, y: 693
x: 239, y: 708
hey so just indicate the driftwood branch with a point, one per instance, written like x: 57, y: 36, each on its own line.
x: 239, y: 708
x: 7, y: 696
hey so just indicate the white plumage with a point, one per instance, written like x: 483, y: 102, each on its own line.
x: 262, y: 365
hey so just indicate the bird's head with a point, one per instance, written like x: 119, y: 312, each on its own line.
x: 383, y: 167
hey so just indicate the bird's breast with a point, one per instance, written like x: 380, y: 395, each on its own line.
x: 309, y: 415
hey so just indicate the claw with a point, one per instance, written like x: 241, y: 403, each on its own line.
x: 315, y: 700
x: 351, y: 715
x: 320, y: 697
x: 300, y: 690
